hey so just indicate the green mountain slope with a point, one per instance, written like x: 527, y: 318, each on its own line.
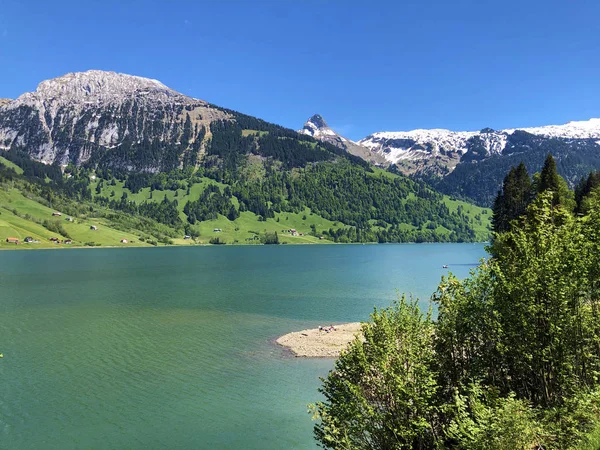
x: 26, y: 202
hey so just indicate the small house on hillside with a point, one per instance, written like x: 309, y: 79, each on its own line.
x: 68, y: 241
x: 123, y: 241
x: 12, y: 240
x: 69, y: 219
x: 93, y: 227
x: 54, y: 239
x: 28, y: 239
x: 187, y: 237
x: 56, y: 214
x: 217, y: 230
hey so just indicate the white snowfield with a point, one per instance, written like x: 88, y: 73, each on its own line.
x: 395, y: 146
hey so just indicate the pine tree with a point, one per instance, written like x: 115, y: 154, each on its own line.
x: 512, y: 201
x: 551, y: 181
x: 549, y: 178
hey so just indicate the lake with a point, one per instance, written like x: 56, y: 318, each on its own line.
x: 155, y: 348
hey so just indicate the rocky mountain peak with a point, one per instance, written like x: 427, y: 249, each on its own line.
x: 317, y: 127
x: 95, y: 87
x: 318, y: 121
x: 70, y: 117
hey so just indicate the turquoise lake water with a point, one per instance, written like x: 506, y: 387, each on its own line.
x: 173, y: 347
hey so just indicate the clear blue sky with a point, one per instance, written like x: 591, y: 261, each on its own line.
x: 366, y: 66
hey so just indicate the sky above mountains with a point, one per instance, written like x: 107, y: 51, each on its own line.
x: 364, y: 66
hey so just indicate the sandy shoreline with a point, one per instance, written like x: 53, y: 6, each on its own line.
x: 320, y: 344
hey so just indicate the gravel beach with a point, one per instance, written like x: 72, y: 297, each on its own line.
x: 320, y: 344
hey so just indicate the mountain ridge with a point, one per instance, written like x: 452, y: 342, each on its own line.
x: 422, y: 143
x: 134, y: 124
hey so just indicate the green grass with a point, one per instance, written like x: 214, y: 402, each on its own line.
x: 240, y: 231
x: 480, y: 218
x: 379, y: 172
x: 482, y: 225
x: 254, y: 133
x: 10, y: 165
x: 244, y: 228
x: 30, y: 212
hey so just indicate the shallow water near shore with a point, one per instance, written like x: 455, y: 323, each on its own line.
x: 173, y: 347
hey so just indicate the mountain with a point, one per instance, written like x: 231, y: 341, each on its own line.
x: 453, y: 147
x: 80, y: 115
x: 147, y: 159
x: 317, y: 127
x: 472, y: 164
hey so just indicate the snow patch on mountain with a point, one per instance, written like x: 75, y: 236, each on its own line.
x: 423, y: 144
x: 416, y: 144
x: 583, y: 129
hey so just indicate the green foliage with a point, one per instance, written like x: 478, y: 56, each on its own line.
x: 483, y: 422
x: 382, y: 392
x: 56, y: 227
x: 512, y: 201
x: 270, y: 238
x: 512, y: 361
x: 518, y: 191
x: 211, y: 203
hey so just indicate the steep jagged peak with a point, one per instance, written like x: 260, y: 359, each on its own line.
x: 317, y: 127
x: 318, y: 121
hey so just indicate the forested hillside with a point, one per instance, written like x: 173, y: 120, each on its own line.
x: 328, y: 201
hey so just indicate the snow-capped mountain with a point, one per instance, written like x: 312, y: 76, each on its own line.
x: 416, y: 150
x: 317, y: 127
x: 71, y: 117
x: 584, y: 129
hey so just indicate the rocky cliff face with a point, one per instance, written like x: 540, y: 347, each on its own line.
x: 83, y: 115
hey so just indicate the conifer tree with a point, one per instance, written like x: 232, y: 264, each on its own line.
x: 512, y: 201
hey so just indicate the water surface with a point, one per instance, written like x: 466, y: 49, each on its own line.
x: 173, y: 347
